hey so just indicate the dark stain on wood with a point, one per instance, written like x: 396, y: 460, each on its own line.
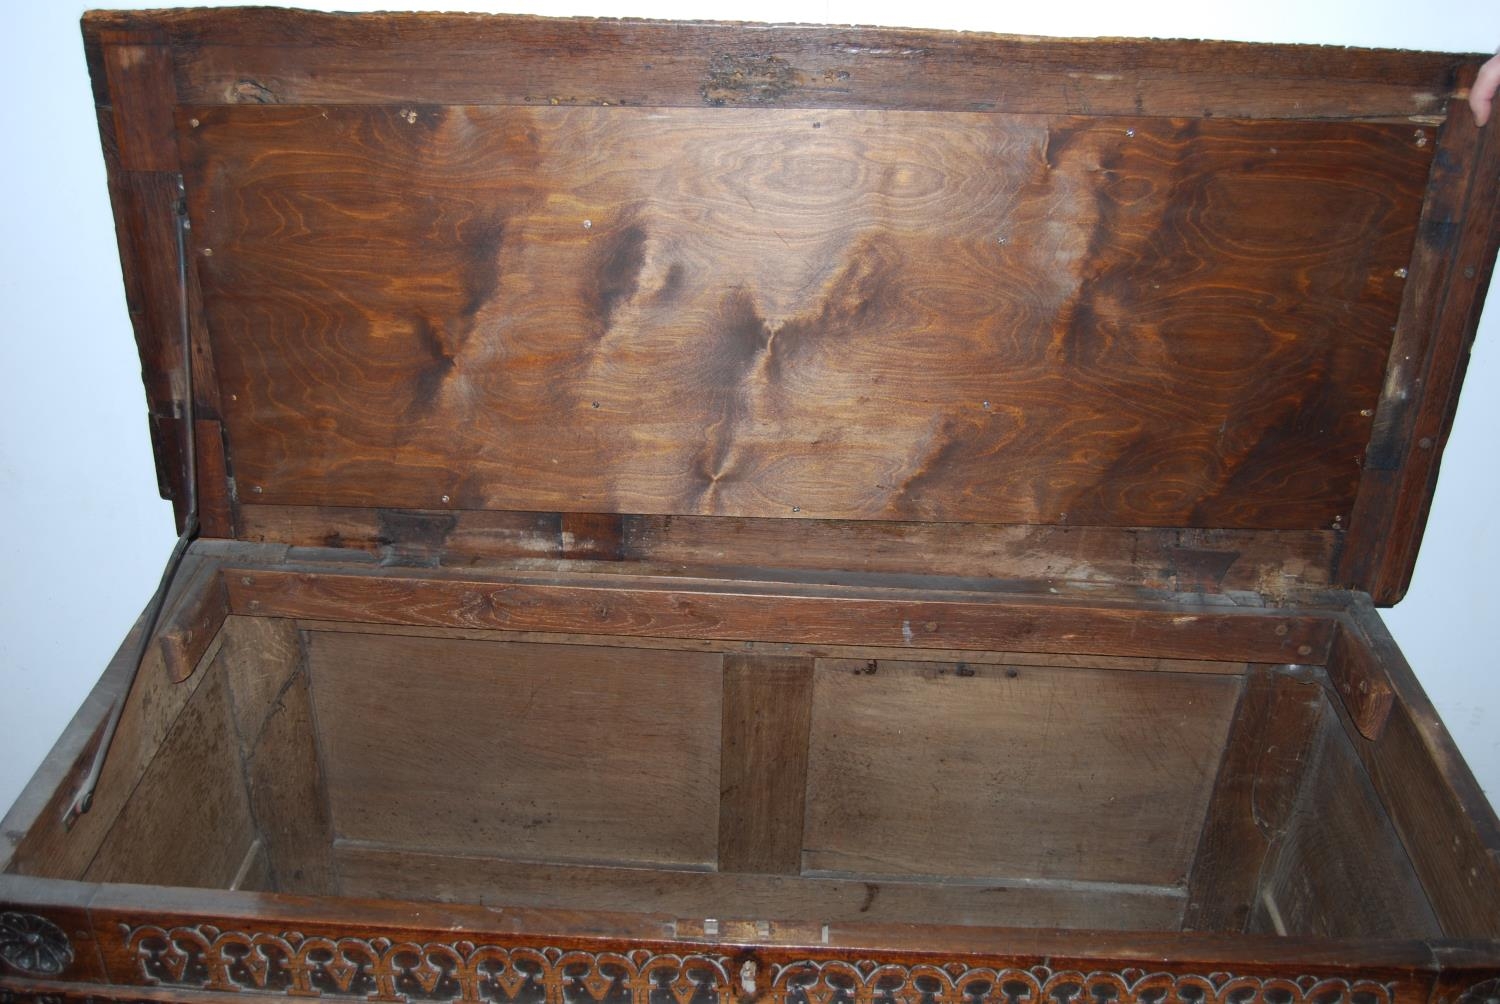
x: 671, y: 285
x: 409, y: 537
x: 484, y: 239
x: 427, y: 381
x: 480, y: 244
x: 591, y: 536
x: 866, y: 284
x: 617, y: 276
x: 252, y: 92
x: 742, y: 338
x: 749, y: 80
x: 960, y: 341
x: 1200, y: 570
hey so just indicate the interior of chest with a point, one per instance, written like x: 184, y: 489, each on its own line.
x: 770, y: 783
x: 957, y: 347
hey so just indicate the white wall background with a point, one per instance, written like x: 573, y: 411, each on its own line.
x: 83, y: 535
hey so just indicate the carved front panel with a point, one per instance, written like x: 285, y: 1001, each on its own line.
x: 380, y: 969
x: 377, y: 968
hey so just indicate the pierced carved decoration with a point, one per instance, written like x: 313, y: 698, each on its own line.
x: 33, y: 945
x: 838, y: 982
x: 408, y: 972
x: 379, y: 969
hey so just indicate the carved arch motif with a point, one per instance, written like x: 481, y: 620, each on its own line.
x: 388, y: 971
x: 838, y: 982
x: 406, y: 972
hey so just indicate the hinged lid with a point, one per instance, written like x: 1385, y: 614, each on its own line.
x: 1178, y: 314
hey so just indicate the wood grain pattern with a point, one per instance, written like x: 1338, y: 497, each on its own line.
x: 472, y: 535
x: 287, y: 797
x: 990, y: 772
x: 1339, y: 870
x: 191, y: 625
x: 144, y: 229
x: 40, y: 843
x: 763, y: 764
x: 296, y: 57
x: 1451, y: 268
x: 773, y: 649
x: 871, y: 315
x: 1269, y: 749
x: 765, y: 347
x: 1271, y: 563
x: 277, y: 738
x: 142, y: 94
x: 215, y: 511
x: 259, y: 655
x: 1274, y: 564
x: 1404, y: 966
x: 1359, y: 679
x: 595, y: 536
x: 374, y: 872
x: 1445, y: 822
x: 188, y: 822
x: 910, y: 618
x: 255, y: 871
x: 133, y: 69
x: 534, y: 752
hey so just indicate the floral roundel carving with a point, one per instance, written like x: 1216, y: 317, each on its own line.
x: 33, y: 944
x: 1487, y: 992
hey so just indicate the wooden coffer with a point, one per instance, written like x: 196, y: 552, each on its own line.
x: 703, y: 514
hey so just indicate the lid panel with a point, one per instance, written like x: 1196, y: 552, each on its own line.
x: 822, y: 314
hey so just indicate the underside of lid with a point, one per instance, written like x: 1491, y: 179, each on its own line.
x: 771, y: 281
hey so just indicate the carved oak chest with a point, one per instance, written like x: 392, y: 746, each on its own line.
x: 695, y: 513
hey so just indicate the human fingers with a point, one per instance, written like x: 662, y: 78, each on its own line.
x: 1482, y: 94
